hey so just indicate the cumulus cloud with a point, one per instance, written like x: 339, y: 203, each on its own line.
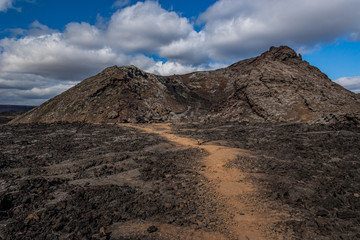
x: 121, y: 3
x: 22, y: 81
x: 242, y: 27
x: 29, y: 89
x: 84, y: 35
x: 145, y: 27
x: 34, y: 29
x: 169, y: 68
x: 38, y: 29
x: 52, y: 56
x: 190, y: 50
x: 84, y: 49
x: 34, y: 96
x: 44, y: 93
x: 354, y: 36
x: 351, y: 83
x: 5, y: 5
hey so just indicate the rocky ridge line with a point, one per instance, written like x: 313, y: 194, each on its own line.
x: 275, y: 86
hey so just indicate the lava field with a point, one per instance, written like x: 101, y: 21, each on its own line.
x: 86, y: 181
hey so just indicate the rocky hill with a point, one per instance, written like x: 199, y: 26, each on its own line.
x: 275, y: 86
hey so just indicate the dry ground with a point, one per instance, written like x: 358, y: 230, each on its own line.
x: 245, y: 181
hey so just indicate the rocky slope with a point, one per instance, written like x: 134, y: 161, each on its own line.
x: 275, y: 86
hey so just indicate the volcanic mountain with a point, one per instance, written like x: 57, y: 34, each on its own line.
x: 275, y: 86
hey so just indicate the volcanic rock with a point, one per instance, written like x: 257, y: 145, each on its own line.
x: 275, y: 86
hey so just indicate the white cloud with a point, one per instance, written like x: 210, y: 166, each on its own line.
x: 34, y: 96
x: 351, y: 83
x: 169, y: 68
x: 354, y: 36
x: 53, y: 56
x: 30, y: 89
x: 233, y: 29
x: 121, y: 3
x: 5, y: 5
x: 145, y: 27
x: 22, y: 81
x: 34, y: 29
x: 44, y: 93
x: 84, y: 35
x: 38, y: 29
x: 240, y: 28
x: 190, y: 50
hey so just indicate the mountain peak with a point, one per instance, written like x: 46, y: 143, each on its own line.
x: 129, y: 71
x: 116, y: 69
x: 282, y: 53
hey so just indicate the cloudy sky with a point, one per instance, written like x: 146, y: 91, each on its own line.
x: 47, y: 46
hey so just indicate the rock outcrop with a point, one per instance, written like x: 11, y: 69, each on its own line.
x: 275, y: 86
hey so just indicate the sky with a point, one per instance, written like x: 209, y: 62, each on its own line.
x: 48, y: 46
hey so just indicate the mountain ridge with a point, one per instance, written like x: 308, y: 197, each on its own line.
x: 275, y: 86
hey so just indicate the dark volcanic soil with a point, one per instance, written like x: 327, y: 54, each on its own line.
x: 315, y: 169
x: 6, y: 117
x: 80, y: 181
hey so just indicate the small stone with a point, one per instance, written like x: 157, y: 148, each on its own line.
x: 357, y: 195
x: 346, y: 214
x: 33, y: 216
x: 322, y: 213
x: 152, y: 229
x: 113, y: 115
x: 102, y: 231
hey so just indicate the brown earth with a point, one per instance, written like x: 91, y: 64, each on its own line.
x: 275, y: 86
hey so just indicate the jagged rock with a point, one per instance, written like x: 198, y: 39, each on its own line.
x: 275, y: 86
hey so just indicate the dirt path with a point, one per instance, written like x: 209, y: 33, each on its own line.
x: 250, y: 217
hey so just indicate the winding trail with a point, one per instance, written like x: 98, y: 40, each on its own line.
x: 249, y: 217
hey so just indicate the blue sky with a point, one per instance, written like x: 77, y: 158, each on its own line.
x: 47, y: 46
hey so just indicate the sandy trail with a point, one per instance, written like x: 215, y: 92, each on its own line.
x: 249, y: 217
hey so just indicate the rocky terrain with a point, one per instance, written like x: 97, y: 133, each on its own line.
x: 85, y: 181
x: 10, y: 112
x: 6, y: 117
x: 81, y: 181
x: 314, y: 169
x: 276, y: 86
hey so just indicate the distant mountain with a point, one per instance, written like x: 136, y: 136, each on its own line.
x: 9, y: 112
x: 11, y: 108
x: 275, y: 86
